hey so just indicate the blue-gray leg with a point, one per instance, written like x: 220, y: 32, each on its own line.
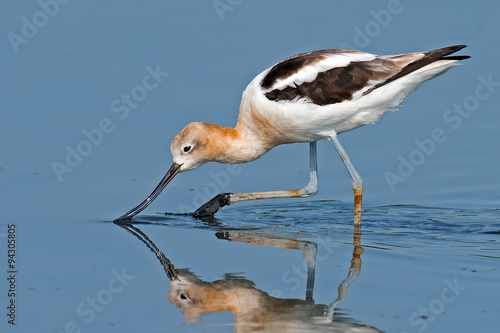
x: 224, y: 199
x: 357, y: 182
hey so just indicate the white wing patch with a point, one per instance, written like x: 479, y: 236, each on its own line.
x: 310, y: 72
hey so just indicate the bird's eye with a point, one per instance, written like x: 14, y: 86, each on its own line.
x: 187, y: 149
x: 183, y: 296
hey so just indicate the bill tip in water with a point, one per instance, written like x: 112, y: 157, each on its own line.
x: 122, y: 218
x: 174, y: 169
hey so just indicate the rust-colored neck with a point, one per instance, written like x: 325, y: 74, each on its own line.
x: 235, y: 145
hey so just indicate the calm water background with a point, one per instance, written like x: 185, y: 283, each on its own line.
x: 69, y: 77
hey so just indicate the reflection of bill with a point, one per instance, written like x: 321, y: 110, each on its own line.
x: 253, y: 309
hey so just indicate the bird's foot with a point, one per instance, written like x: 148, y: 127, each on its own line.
x: 213, y: 206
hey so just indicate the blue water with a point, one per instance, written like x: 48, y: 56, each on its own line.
x: 77, y: 151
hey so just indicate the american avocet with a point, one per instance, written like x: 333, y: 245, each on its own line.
x: 305, y: 98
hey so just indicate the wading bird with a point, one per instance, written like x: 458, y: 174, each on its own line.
x: 305, y: 98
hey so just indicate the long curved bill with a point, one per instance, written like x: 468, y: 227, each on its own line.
x: 174, y: 170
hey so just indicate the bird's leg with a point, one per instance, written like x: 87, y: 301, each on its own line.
x: 357, y: 182
x: 224, y: 199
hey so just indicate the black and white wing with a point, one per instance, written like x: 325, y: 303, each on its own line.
x: 327, y: 77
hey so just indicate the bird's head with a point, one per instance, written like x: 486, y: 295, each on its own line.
x: 193, y: 146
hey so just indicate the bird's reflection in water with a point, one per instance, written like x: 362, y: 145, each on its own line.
x: 255, y: 310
